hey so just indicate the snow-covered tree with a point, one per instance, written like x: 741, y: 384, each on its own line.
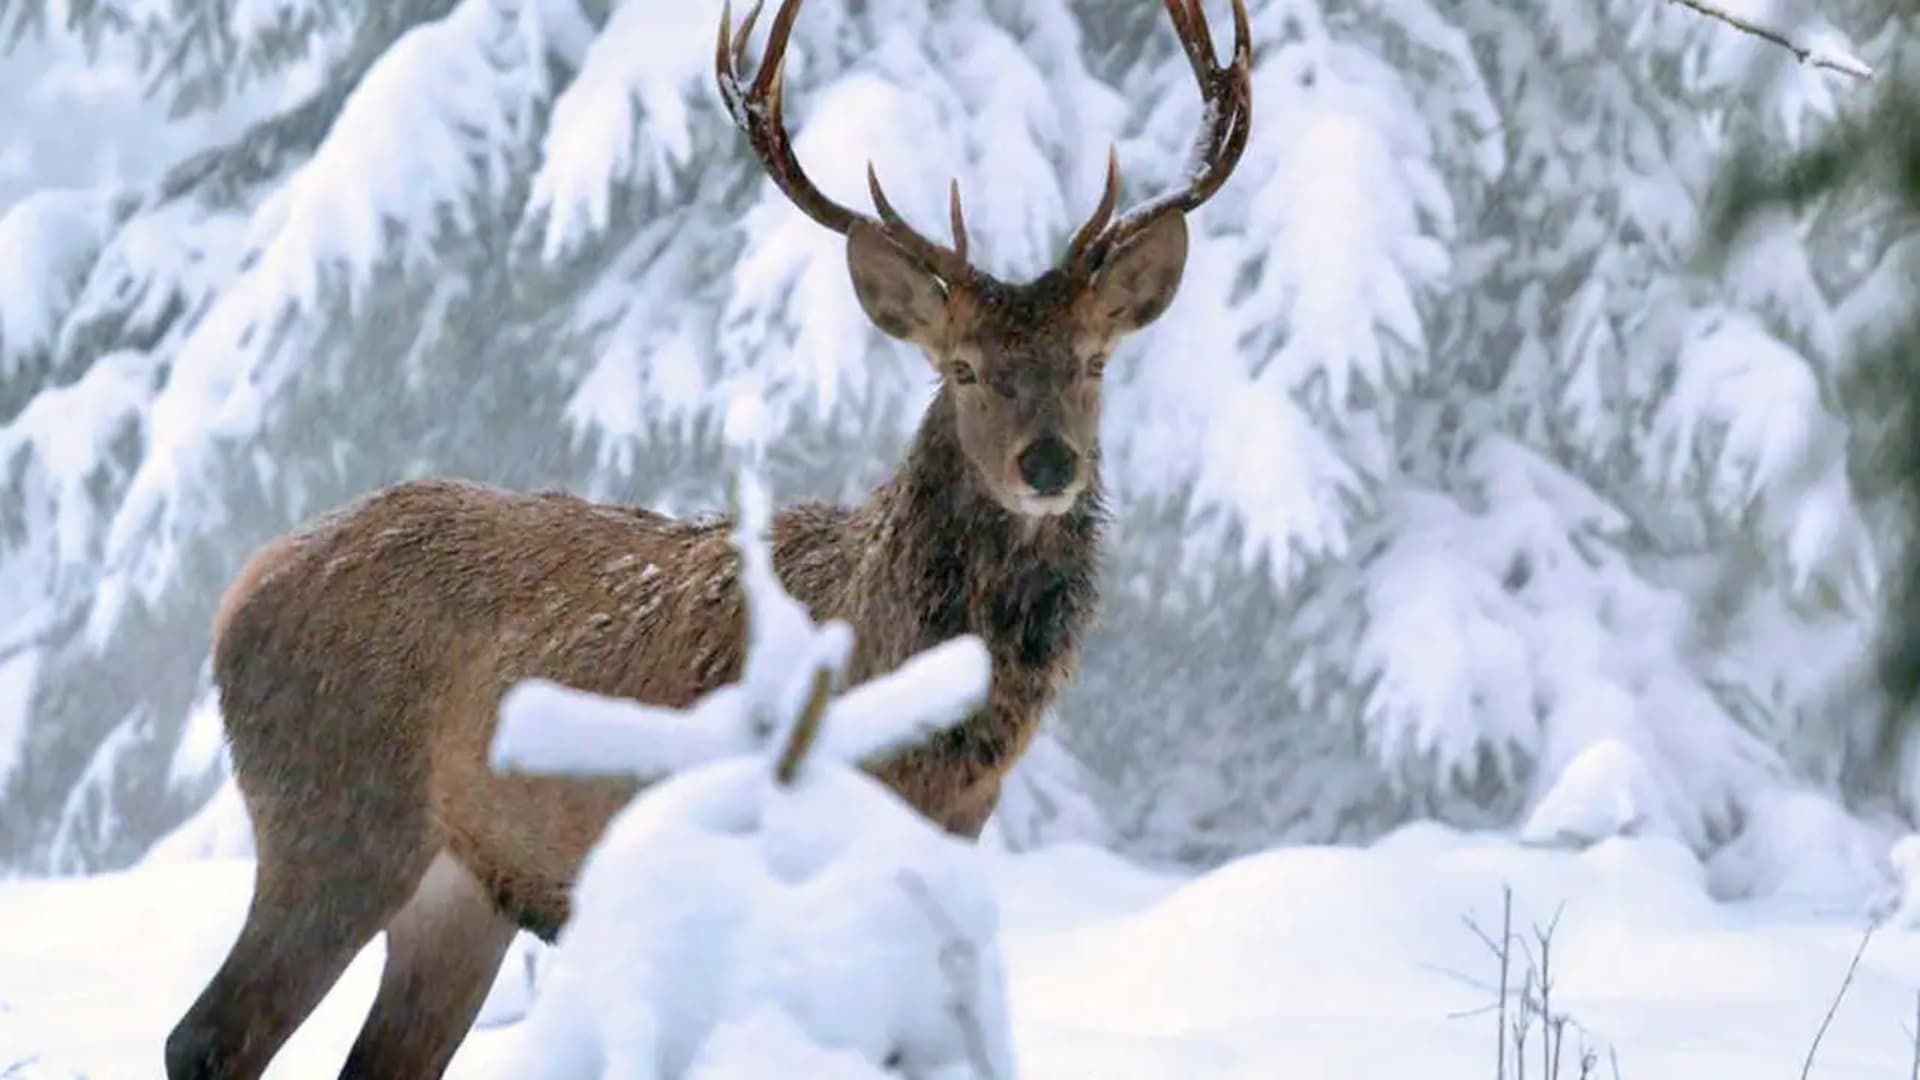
x: 1452, y: 462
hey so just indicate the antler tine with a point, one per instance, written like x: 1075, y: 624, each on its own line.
x: 957, y: 220
x: 948, y: 262
x: 1195, y: 37
x: 1084, y: 236
x: 1227, y: 93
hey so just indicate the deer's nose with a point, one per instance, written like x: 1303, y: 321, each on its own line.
x: 1048, y: 465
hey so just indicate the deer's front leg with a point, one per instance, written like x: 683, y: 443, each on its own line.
x: 969, y: 815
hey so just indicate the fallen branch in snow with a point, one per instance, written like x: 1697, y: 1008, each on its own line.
x: 1832, y: 60
x: 1806, y: 1067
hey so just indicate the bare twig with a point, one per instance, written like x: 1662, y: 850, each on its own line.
x: 960, y: 963
x: 1506, y: 939
x: 1534, y: 1004
x: 1852, y: 966
x: 1839, y: 62
x: 1553, y: 1029
x: 1914, y: 1072
x: 1522, y: 1021
x: 805, y: 729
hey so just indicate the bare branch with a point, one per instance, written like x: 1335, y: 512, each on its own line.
x: 1522, y: 1021
x: 960, y: 963
x: 1506, y: 941
x: 806, y: 729
x: 1854, y: 965
x: 1820, y: 58
x: 1914, y: 1072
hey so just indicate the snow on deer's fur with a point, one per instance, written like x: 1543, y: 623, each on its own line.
x: 770, y: 907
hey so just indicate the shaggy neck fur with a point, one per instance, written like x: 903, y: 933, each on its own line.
x: 946, y: 559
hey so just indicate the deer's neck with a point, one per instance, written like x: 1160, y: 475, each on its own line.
x: 945, y: 558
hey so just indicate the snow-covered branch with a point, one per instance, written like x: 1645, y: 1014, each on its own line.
x: 1817, y: 54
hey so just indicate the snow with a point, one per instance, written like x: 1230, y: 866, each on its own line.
x: 60, y: 444
x: 55, y: 235
x: 625, y: 113
x: 416, y: 149
x: 202, y: 748
x: 1599, y: 794
x: 1313, y: 961
x: 798, y: 899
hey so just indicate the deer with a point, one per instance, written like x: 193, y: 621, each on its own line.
x: 360, y: 659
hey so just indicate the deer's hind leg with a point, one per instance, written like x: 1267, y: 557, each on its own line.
x: 303, y: 927
x: 443, y: 950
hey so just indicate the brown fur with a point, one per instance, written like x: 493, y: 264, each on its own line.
x: 271, y: 556
x: 362, y: 660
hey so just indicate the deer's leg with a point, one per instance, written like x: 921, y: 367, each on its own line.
x: 970, y: 815
x: 301, y: 931
x: 443, y: 950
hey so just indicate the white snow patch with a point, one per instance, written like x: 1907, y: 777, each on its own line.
x: 829, y: 901
x: 47, y: 241
x: 624, y: 116
x: 203, y: 743
x: 1597, y: 795
x: 1311, y: 961
x: 1802, y: 846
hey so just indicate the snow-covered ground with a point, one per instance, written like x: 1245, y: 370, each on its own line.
x: 1298, y: 962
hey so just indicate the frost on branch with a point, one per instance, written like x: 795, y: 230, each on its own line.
x: 765, y: 900
x: 1819, y: 49
x: 425, y: 146
x: 52, y: 238
x: 1744, y: 427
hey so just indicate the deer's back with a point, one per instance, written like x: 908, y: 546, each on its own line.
x: 385, y: 634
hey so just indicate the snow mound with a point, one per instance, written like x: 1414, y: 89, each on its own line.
x: 769, y: 909
x: 1599, y: 794
x: 1803, y: 846
x: 830, y: 902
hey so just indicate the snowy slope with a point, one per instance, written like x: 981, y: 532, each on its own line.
x: 1302, y: 962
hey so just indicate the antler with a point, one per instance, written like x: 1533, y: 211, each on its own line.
x: 756, y: 110
x: 1228, y: 95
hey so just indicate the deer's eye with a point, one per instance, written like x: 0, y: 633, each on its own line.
x: 1097, y: 364
x: 963, y: 373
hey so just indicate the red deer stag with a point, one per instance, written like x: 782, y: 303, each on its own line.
x: 361, y: 659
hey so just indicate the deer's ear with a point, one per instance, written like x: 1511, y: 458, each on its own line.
x: 899, y: 295
x: 1138, y: 281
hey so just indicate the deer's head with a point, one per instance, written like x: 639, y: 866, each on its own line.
x: 1022, y: 361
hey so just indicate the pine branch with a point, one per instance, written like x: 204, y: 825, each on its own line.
x: 1844, y: 63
